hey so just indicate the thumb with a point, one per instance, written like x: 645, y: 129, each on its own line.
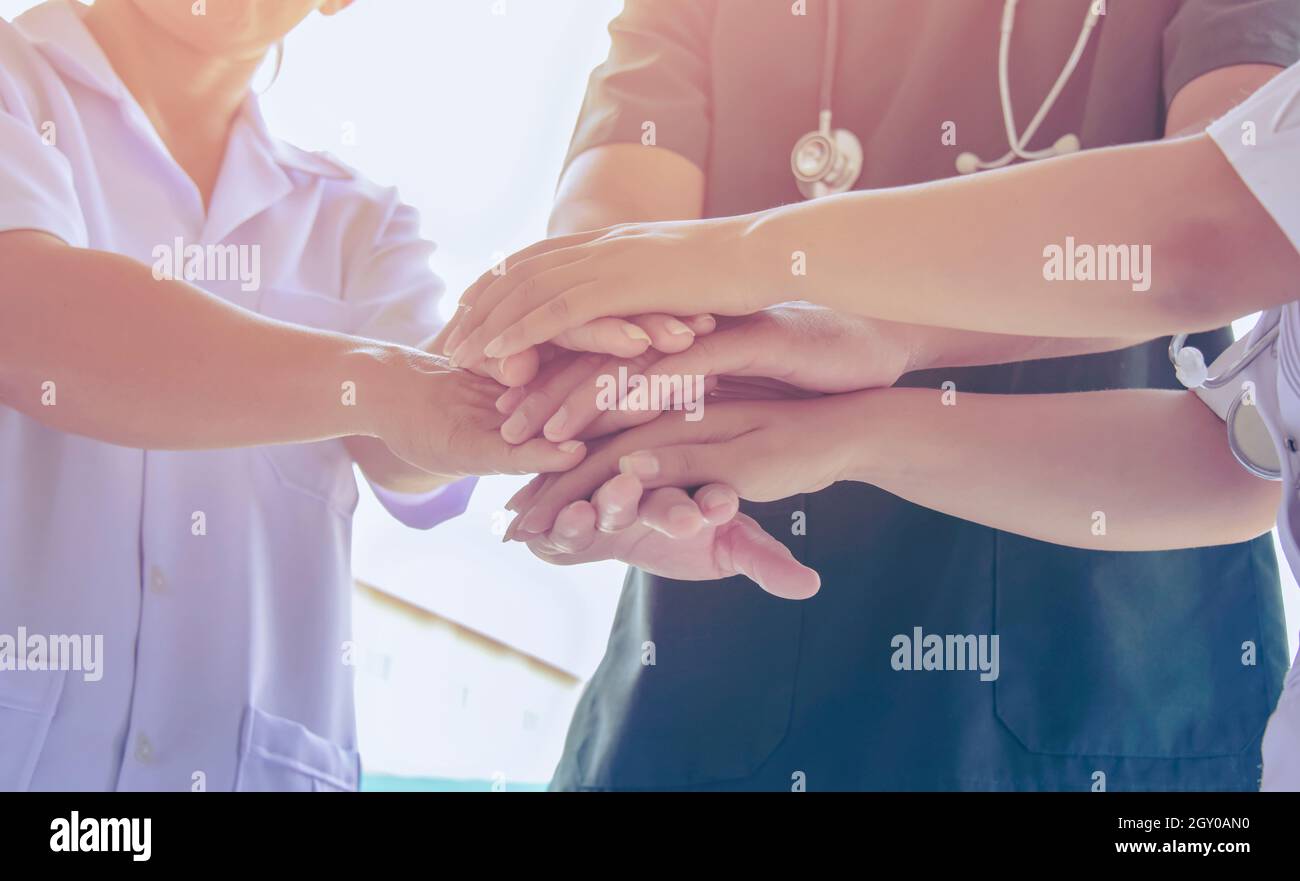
x: 682, y: 465
x: 726, y: 352
x: 539, y: 456
x: 742, y: 547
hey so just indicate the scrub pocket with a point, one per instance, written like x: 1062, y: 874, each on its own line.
x: 280, y: 755
x: 28, y: 699
x: 1135, y: 654
x: 717, y: 700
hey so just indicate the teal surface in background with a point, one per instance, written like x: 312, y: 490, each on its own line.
x: 389, y: 783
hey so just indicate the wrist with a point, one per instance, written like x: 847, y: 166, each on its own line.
x: 770, y: 271
x: 869, y: 426
x: 390, y: 383
x: 918, y: 347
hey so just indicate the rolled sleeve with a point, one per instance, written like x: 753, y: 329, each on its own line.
x: 1206, y: 35
x: 1261, y: 138
x: 657, y: 73
x: 37, y: 191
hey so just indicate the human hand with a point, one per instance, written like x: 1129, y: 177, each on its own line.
x: 766, y: 450
x: 571, y: 282
x: 665, y: 532
x: 442, y: 420
x: 789, y: 351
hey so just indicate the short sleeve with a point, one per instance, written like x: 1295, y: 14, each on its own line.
x: 657, y: 73
x: 1261, y: 138
x: 1206, y: 35
x: 393, y: 295
x: 37, y: 189
x: 427, y: 510
x: 391, y: 288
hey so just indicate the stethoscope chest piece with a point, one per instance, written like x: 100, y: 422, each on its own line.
x: 1249, y: 440
x: 826, y: 162
x: 1227, y: 387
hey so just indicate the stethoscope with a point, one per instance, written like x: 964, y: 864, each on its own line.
x: 1248, y: 436
x: 829, y: 161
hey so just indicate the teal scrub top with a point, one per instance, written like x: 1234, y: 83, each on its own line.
x: 1123, y: 671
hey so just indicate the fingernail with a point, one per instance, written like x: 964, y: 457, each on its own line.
x: 705, y: 324
x: 494, y: 348
x: 515, y: 426
x: 534, y: 521
x: 643, y: 465
x: 676, y: 328
x: 513, y: 503
x: 510, y: 401
x: 636, y: 333
x: 555, y: 425
x: 682, y: 515
x: 510, y: 530
x: 608, y: 521
x: 572, y: 446
x: 712, y: 500
x: 458, y: 353
x: 568, y: 530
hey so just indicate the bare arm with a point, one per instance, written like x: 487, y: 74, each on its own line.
x: 626, y: 183
x: 1183, y: 243
x: 1199, y: 103
x: 1128, y: 470
x: 92, y: 344
x: 630, y: 183
x: 1215, y: 254
x: 161, y: 364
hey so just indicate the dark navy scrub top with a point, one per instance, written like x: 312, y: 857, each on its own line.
x: 1118, y: 670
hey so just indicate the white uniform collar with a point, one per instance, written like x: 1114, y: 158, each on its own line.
x: 56, y: 30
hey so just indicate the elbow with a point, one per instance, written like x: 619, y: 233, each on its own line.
x: 1255, y: 503
x: 1193, y: 279
x: 1266, y: 498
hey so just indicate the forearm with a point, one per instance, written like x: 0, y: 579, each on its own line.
x: 932, y: 347
x: 382, y: 467
x: 626, y: 183
x: 92, y: 344
x: 970, y: 253
x: 1152, y: 468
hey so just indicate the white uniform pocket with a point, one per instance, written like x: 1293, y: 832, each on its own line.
x: 27, y: 702
x: 280, y: 755
x: 321, y: 470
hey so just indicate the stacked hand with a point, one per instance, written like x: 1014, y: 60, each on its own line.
x: 666, y: 532
x: 785, y: 352
x: 578, y: 289
x: 777, y: 381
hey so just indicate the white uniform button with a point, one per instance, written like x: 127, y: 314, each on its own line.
x: 157, y: 582
x: 143, y: 749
